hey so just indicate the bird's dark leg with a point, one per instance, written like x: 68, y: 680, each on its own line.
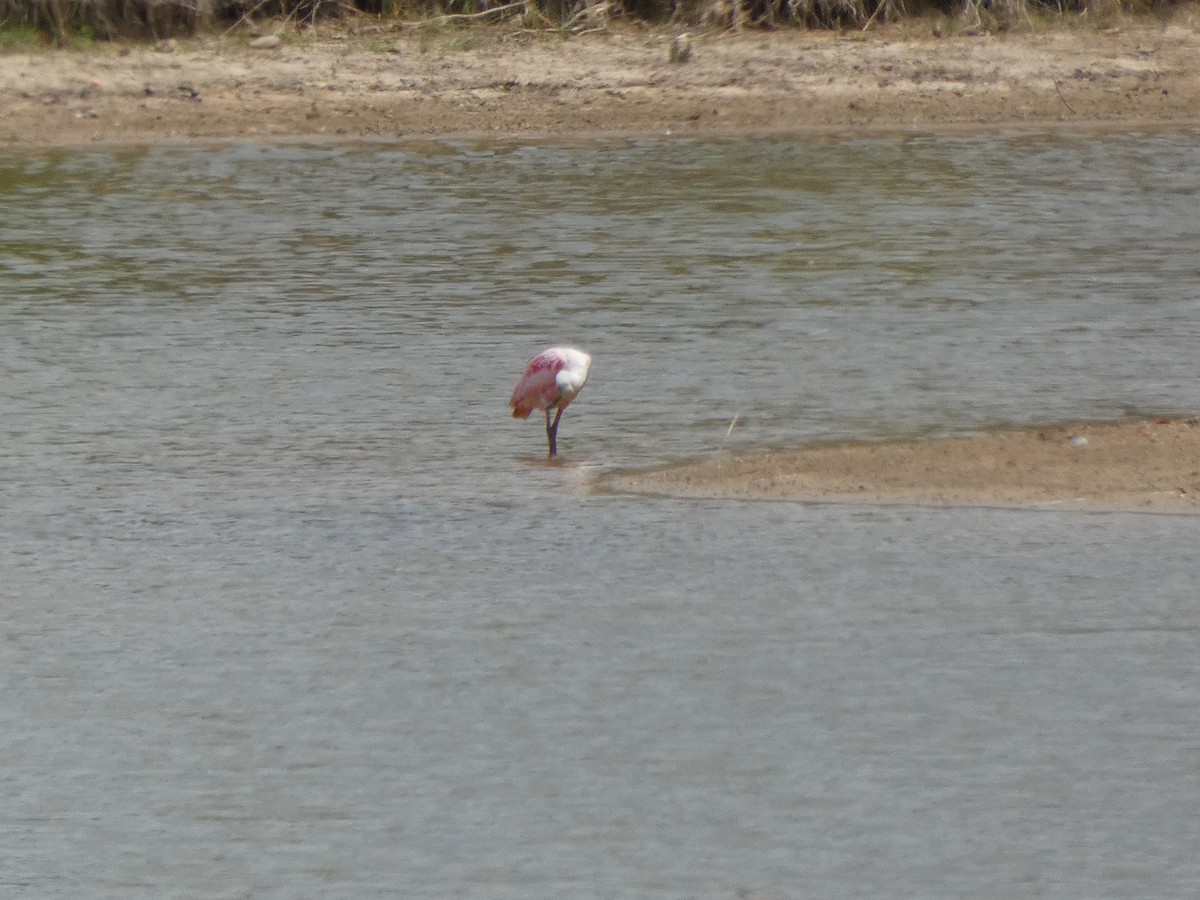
x: 552, y: 430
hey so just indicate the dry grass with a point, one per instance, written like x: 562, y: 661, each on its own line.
x: 73, y: 21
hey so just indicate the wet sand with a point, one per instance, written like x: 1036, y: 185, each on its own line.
x: 1146, y: 465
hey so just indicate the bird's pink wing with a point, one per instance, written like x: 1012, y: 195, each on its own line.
x: 537, y: 388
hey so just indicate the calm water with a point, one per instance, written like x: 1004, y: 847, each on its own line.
x: 293, y: 609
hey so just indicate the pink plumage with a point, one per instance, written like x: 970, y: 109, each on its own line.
x: 552, y: 379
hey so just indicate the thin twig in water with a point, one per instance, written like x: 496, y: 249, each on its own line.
x: 729, y: 430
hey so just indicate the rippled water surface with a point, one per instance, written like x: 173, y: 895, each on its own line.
x: 294, y: 609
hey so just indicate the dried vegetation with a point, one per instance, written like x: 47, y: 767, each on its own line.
x: 66, y: 21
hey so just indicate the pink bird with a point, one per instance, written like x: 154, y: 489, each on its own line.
x: 551, y: 381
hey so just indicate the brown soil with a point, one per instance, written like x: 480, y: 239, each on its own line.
x: 371, y: 80
x: 1146, y: 465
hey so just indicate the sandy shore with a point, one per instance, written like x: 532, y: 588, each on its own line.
x: 1147, y: 465
x: 373, y: 80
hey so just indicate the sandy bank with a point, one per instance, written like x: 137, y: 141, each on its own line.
x: 1149, y: 465
x: 372, y: 80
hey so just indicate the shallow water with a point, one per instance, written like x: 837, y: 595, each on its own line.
x: 294, y: 609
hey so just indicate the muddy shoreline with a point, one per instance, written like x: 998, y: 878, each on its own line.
x: 373, y: 81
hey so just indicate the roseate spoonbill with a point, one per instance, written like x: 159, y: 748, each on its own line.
x: 551, y: 381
